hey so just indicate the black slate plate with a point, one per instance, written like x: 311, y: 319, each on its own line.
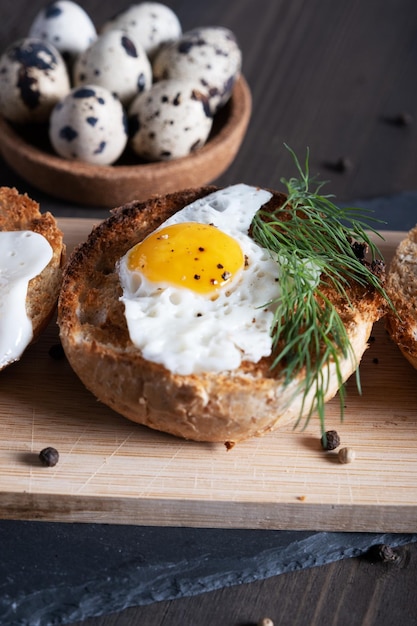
x: 53, y: 573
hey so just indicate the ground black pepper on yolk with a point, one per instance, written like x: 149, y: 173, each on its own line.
x: 196, y: 256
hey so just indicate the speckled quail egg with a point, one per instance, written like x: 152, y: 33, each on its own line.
x: 33, y: 78
x: 66, y: 25
x: 210, y: 55
x: 170, y: 120
x: 150, y: 23
x: 89, y: 125
x: 116, y: 62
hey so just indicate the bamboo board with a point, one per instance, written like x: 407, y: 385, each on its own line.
x: 114, y: 471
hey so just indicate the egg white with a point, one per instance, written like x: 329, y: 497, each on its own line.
x: 23, y: 255
x: 189, y: 333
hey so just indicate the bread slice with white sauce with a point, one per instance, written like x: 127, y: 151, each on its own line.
x: 18, y: 212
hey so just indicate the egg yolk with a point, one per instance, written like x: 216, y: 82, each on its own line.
x: 195, y: 256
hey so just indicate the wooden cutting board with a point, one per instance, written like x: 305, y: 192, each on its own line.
x: 113, y: 471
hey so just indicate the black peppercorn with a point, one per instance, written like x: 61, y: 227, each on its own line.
x: 385, y: 553
x: 49, y: 456
x: 342, y: 165
x: 402, y: 119
x: 359, y: 249
x: 330, y: 440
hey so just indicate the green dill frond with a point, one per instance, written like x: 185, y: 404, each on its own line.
x: 314, y: 243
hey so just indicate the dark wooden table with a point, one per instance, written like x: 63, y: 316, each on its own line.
x: 340, y: 78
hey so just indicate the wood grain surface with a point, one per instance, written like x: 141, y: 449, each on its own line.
x: 112, y: 470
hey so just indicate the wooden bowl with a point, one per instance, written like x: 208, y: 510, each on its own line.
x: 27, y: 150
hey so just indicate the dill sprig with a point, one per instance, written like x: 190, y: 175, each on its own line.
x: 312, y: 238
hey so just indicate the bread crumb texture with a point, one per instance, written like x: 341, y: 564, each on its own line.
x: 401, y: 288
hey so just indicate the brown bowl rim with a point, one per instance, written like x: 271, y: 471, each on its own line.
x: 219, y: 152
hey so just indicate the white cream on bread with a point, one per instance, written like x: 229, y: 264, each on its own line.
x: 23, y: 255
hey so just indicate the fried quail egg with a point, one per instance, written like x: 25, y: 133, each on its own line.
x: 150, y: 23
x: 115, y: 61
x: 196, y: 291
x: 33, y: 78
x: 23, y: 255
x: 66, y: 25
x: 209, y: 55
x: 89, y: 125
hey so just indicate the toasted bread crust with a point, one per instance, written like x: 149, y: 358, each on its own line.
x: 213, y: 407
x: 19, y: 212
x: 401, y: 287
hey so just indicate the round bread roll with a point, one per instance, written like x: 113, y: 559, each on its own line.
x: 226, y: 406
x: 18, y: 212
x: 401, y: 321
